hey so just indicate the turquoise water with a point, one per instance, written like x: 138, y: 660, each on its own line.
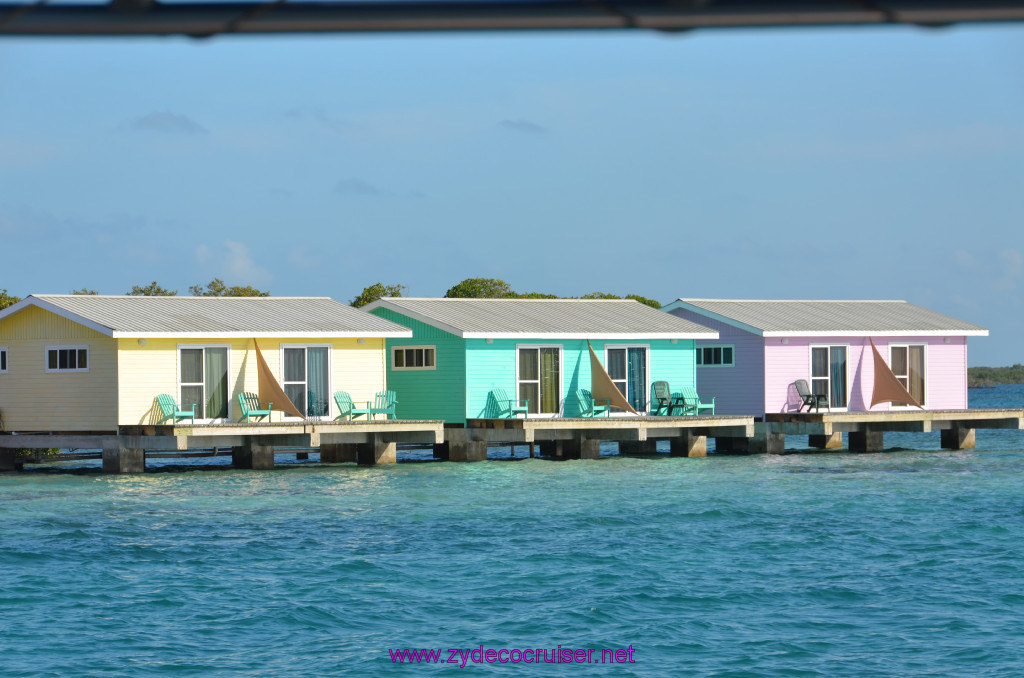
x: 905, y: 563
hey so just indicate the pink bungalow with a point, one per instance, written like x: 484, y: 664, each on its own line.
x: 765, y: 347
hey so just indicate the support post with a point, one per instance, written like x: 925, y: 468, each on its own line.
x: 338, y: 453
x: 765, y: 442
x: 581, y: 448
x: 442, y: 451
x: 866, y: 441
x: 730, y: 445
x: 301, y: 455
x: 253, y: 456
x: 472, y: 450
x: 825, y: 442
x: 550, y: 448
x: 957, y: 438
x: 689, y: 445
x: 9, y: 460
x: 120, y: 459
x: 377, y: 451
x: 649, y: 446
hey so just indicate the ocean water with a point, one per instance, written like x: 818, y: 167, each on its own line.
x: 906, y: 563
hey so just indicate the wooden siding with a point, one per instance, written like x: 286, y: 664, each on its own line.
x: 945, y: 370
x: 151, y: 369
x: 738, y: 389
x: 493, y: 365
x: 428, y: 394
x: 32, y: 399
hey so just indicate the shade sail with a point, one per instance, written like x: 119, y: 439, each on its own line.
x: 602, y: 387
x: 270, y: 390
x: 887, y: 388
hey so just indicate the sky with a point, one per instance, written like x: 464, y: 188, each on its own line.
x: 828, y: 163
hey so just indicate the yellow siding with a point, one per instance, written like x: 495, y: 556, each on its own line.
x: 32, y: 399
x: 151, y: 369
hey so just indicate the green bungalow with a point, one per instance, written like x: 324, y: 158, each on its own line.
x: 468, y: 357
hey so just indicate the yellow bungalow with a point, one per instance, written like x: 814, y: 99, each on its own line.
x: 76, y: 363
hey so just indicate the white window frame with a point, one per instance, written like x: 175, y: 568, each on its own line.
x: 647, y: 368
x: 811, y: 377
x: 177, y: 378
x: 424, y: 347
x: 561, y: 377
x: 330, y: 376
x: 908, y: 406
x: 700, y: 355
x: 5, y: 363
x: 46, y: 359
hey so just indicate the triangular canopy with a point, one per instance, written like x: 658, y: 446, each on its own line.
x: 270, y: 390
x: 602, y: 387
x: 887, y: 388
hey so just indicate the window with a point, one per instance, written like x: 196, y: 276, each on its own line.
x: 67, y: 358
x: 715, y: 356
x: 627, y: 366
x: 3, y: 359
x: 203, y: 380
x: 307, y: 378
x: 413, y: 358
x: 828, y: 373
x: 907, y: 363
x: 539, y: 377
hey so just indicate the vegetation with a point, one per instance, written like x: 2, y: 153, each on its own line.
x: 85, y: 291
x: 978, y: 377
x: 376, y: 291
x: 7, y: 299
x: 151, y: 290
x: 217, y: 288
x: 492, y: 288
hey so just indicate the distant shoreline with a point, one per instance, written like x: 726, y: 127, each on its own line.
x: 983, y: 377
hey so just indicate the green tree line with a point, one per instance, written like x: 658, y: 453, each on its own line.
x: 978, y: 377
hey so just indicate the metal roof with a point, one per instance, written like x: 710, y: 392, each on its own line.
x: 787, y: 318
x: 200, y: 317
x: 201, y: 18
x: 546, y: 318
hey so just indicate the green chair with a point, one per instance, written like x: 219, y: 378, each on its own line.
x: 590, y: 407
x: 694, y: 405
x: 809, y: 399
x: 346, y: 408
x: 170, y: 410
x: 384, y: 402
x: 249, y: 404
x: 508, y: 408
x: 663, y: 403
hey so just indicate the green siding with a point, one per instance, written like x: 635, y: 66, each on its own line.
x: 428, y: 394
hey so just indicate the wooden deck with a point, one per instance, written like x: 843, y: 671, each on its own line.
x: 914, y: 421
x: 599, y: 428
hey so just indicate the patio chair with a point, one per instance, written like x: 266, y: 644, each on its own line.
x: 694, y: 405
x: 663, y: 402
x: 508, y: 408
x: 170, y: 410
x: 249, y: 406
x: 346, y: 408
x: 589, y: 407
x: 804, y: 391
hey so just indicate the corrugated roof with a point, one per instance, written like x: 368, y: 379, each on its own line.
x: 823, y: 318
x: 547, y: 318
x: 128, y: 316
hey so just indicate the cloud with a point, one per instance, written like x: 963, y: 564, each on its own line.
x: 164, y: 122
x: 241, y: 266
x: 203, y: 254
x: 1013, y: 265
x: 523, y: 126
x: 354, y: 186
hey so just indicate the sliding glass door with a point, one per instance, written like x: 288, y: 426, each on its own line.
x: 539, y: 377
x: 907, y: 363
x: 828, y: 374
x: 627, y: 366
x: 307, y: 379
x: 203, y: 380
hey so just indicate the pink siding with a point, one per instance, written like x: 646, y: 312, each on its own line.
x: 737, y: 390
x: 945, y: 370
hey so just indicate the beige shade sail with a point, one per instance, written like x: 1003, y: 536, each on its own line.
x: 270, y: 390
x: 887, y: 388
x: 602, y: 387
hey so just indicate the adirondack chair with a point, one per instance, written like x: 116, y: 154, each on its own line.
x: 346, y: 408
x: 383, y: 403
x: 663, y: 403
x: 694, y: 405
x: 171, y: 411
x: 508, y: 408
x: 590, y: 407
x: 249, y: 406
x: 804, y: 391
